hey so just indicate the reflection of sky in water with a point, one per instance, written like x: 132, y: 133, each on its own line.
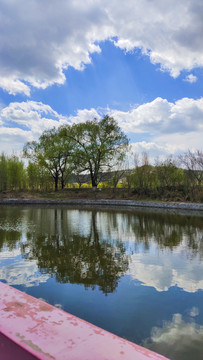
x: 163, y: 269
x: 23, y: 273
x: 157, y: 301
x: 156, y: 266
x: 178, y: 339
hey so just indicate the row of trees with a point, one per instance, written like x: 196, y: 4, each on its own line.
x: 95, y: 151
x: 168, y: 180
x: 161, y: 180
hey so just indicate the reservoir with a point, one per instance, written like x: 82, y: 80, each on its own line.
x: 135, y: 273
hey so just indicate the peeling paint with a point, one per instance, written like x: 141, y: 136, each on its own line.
x: 74, y: 323
x: 33, y: 346
x: 98, y: 332
x: 45, y: 307
x: 15, y: 307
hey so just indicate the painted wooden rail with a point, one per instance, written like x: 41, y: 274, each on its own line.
x: 32, y: 329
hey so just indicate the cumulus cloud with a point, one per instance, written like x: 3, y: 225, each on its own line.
x: 170, y: 128
x: 34, y: 116
x: 170, y: 32
x: 14, y: 86
x: 164, y: 127
x: 191, y: 78
x: 85, y: 115
x: 177, y: 143
x: 25, y: 121
x: 39, y: 40
x: 162, y: 117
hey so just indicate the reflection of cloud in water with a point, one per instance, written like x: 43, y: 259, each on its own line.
x: 23, y: 273
x: 59, y: 306
x: 6, y: 253
x: 164, y: 269
x: 177, y: 339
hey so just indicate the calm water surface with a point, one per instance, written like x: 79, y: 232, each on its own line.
x: 135, y: 273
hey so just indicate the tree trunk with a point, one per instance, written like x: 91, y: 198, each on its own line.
x: 56, y: 182
x: 62, y: 183
x: 94, y: 182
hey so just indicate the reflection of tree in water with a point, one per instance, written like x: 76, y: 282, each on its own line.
x: 74, y: 244
x: 10, y: 228
x: 9, y: 239
x: 167, y: 230
x: 81, y: 259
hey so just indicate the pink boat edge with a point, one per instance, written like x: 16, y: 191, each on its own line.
x: 32, y: 329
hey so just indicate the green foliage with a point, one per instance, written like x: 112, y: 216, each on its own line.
x: 51, y: 153
x: 3, y: 173
x: 15, y: 173
x: 33, y: 175
x: 97, y: 146
x: 12, y: 173
x: 144, y: 178
x: 38, y: 177
x: 169, y: 175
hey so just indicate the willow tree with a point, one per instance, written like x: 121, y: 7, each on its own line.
x: 51, y: 152
x: 98, y: 145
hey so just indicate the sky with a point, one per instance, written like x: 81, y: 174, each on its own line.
x: 69, y: 61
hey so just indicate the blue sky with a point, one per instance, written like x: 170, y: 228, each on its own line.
x: 140, y: 62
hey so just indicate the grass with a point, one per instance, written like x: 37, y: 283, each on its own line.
x: 88, y: 194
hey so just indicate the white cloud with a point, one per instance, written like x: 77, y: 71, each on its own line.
x: 191, y: 78
x: 154, y: 151
x: 169, y: 32
x: 85, y: 115
x: 39, y: 40
x: 169, y: 128
x: 164, y: 127
x: 25, y: 121
x: 35, y: 116
x: 22, y: 122
x: 163, y: 117
x: 13, y: 139
x: 14, y: 86
x: 177, y: 143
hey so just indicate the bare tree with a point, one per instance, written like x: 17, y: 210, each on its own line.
x: 193, y: 162
x: 136, y: 159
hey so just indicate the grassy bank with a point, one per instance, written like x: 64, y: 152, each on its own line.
x: 88, y: 194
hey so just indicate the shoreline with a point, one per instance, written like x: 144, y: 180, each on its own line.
x: 106, y: 203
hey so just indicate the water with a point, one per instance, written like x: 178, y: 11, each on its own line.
x: 137, y: 274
